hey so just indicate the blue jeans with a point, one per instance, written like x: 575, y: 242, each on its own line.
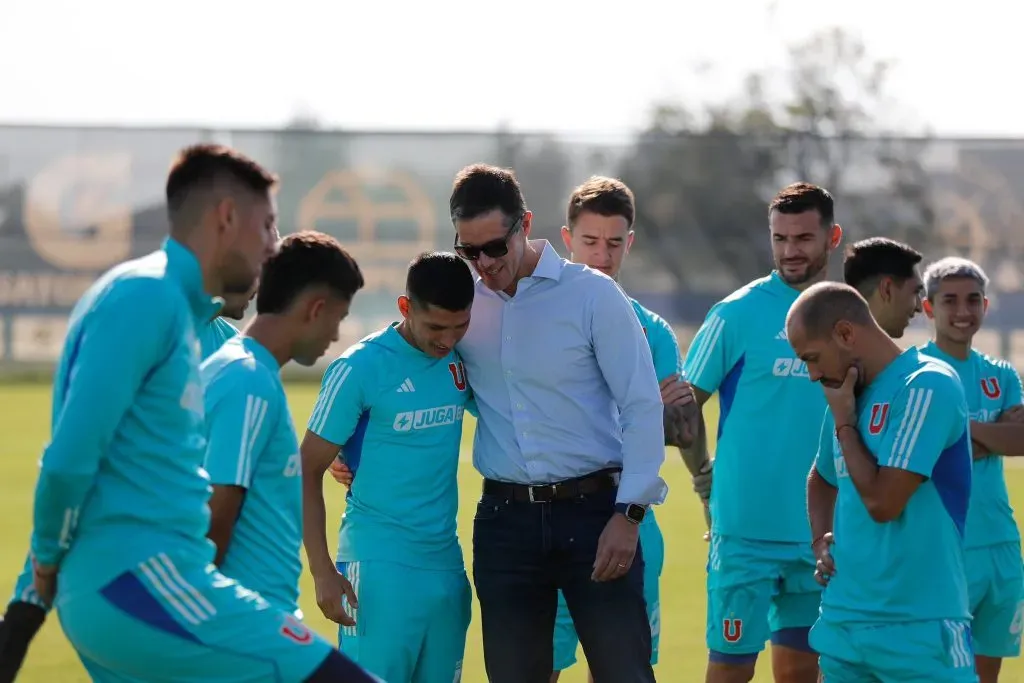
x: 522, y: 554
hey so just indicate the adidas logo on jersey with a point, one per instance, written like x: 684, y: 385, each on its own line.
x: 406, y: 386
x: 782, y: 336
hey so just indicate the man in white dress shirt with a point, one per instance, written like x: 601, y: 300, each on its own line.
x: 569, y: 441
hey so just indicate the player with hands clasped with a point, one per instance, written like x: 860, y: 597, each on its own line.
x: 956, y: 304
x: 891, y: 481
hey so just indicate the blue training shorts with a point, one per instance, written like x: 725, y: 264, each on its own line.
x: 995, y: 581
x: 915, y: 652
x: 653, y: 544
x: 759, y: 591
x: 411, y: 623
x: 168, y: 623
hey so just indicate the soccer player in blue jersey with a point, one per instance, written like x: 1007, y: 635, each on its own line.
x: 760, y: 582
x: 956, y: 304
x: 393, y: 405
x: 599, y: 233
x: 886, y: 274
x: 26, y: 612
x: 887, y: 499
x: 252, y: 451
x: 121, y: 515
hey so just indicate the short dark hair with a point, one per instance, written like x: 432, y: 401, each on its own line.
x: 603, y: 196
x: 200, y: 166
x: 868, y: 261
x: 821, y: 306
x: 442, y: 279
x: 804, y: 197
x: 306, y: 259
x: 481, y: 188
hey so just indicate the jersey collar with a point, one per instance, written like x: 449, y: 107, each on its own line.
x: 782, y: 286
x: 183, y: 267
x: 394, y: 340
x: 932, y: 349
x: 262, y: 353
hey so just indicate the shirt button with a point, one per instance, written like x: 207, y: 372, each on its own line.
x: 508, y: 373
x: 508, y: 338
x: 519, y: 406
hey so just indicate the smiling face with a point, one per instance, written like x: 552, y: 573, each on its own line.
x: 495, y: 244
x: 897, y: 303
x: 957, y: 308
x: 433, y: 330
x: 801, y: 245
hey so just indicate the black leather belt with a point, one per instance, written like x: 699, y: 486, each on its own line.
x: 598, y: 482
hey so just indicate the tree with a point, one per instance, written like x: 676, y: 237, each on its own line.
x: 837, y: 123
x: 542, y: 166
x: 703, y: 179
x: 700, y: 183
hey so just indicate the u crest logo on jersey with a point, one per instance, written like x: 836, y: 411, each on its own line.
x: 293, y: 629
x: 458, y: 371
x: 990, y: 387
x: 732, y: 630
x: 879, y: 414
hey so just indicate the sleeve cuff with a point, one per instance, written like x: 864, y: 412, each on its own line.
x: 641, y: 489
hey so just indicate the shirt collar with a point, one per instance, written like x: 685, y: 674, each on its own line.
x: 183, y: 268
x: 548, y: 267
x: 550, y: 264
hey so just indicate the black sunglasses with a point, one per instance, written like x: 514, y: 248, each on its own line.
x: 493, y: 249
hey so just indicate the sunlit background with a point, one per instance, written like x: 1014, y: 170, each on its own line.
x: 909, y: 113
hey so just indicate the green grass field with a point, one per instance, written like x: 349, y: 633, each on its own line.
x: 24, y: 418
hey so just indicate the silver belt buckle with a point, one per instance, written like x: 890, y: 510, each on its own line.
x: 531, y: 489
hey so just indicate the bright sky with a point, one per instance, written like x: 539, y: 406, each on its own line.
x: 567, y: 65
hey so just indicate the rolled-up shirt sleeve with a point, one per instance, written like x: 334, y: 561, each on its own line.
x: 625, y: 360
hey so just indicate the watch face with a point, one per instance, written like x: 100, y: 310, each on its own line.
x: 636, y: 513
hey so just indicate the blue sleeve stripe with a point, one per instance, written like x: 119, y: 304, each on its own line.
x: 181, y: 596
x: 329, y: 392
x: 914, y: 418
x: 255, y: 411
x: 706, y: 348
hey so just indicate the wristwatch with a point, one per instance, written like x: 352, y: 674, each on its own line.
x: 633, y: 512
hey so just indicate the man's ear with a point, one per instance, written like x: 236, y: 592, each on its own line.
x: 885, y: 285
x: 567, y: 239
x: 835, y: 236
